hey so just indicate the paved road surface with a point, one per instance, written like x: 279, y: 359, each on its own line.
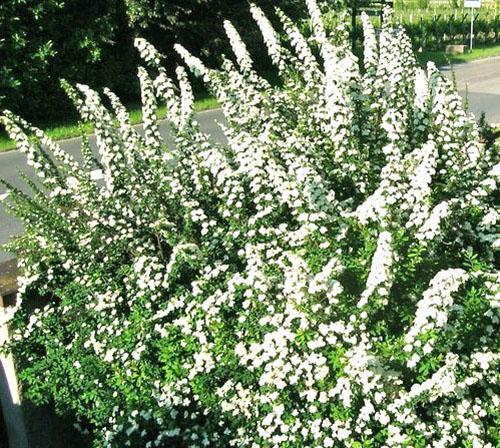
x: 13, y: 162
x: 482, y: 79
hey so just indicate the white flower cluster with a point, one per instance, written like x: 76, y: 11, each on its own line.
x: 379, y: 278
x: 324, y: 278
x: 433, y: 309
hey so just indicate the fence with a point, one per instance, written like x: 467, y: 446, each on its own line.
x: 433, y: 28
x: 440, y: 4
x: 436, y: 31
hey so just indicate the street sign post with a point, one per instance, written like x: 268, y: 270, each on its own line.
x: 472, y: 4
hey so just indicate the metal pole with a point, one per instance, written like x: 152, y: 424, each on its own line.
x: 471, y: 27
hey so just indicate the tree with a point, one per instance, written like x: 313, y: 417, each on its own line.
x: 42, y: 42
x: 355, y: 6
x: 198, y: 23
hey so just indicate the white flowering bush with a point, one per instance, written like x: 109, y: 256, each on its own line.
x: 325, y: 278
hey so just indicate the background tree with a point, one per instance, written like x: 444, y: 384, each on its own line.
x: 42, y: 42
x: 198, y: 24
x: 91, y: 42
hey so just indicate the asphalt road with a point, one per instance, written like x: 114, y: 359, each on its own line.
x: 13, y: 162
x: 481, y: 79
x: 480, y: 82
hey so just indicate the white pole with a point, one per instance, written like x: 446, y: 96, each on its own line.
x: 471, y: 27
x: 10, y: 403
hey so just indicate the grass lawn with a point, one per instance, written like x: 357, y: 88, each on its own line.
x: 70, y: 129
x: 440, y: 58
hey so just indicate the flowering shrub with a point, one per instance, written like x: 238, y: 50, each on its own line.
x: 325, y: 278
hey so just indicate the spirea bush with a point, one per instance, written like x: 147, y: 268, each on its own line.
x: 324, y: 278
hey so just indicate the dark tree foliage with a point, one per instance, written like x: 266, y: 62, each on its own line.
x: 198, y: 25
x: 44, y: 41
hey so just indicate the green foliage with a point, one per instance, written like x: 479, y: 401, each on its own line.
x: 433, y: 28
x: 91, y: 41
x: 198, y: 24
x: 44, y: 41
x: 451, y: 27
x: 486, y: 131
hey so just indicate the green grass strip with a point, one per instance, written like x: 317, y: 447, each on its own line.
x: 440, y: 58
x: 70, y: 129
x: 61, y: 131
